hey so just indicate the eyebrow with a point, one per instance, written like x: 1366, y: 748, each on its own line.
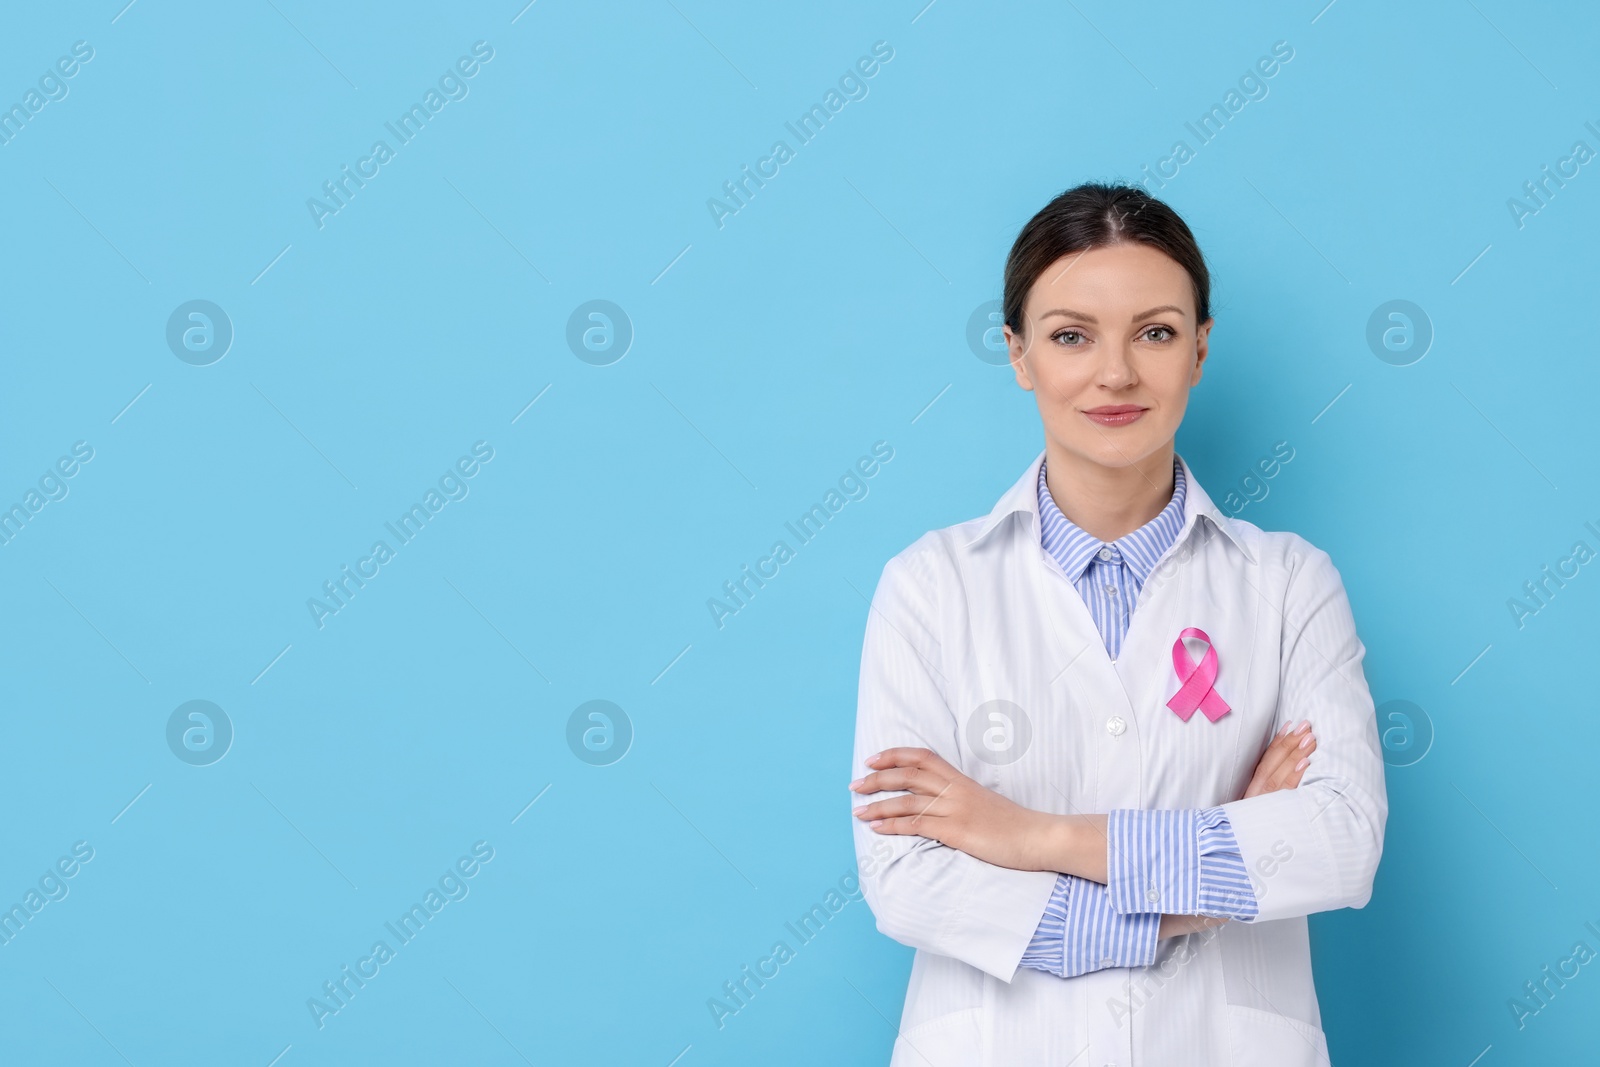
x: 1068, y: 313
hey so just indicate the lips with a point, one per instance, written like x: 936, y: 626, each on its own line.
x: 1115, y: 414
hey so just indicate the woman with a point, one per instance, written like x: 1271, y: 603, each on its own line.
x: 1102, y: 829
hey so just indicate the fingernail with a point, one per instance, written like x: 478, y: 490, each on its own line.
x: 1305, y: 724
x: 1302, y: 764
x: 858, y: 811
x: 875, y: 823
x: 857, y: 783
x: 1286, y: 728
x: 1306, y: 742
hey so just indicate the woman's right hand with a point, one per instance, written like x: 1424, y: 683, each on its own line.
x: 1285, y: 761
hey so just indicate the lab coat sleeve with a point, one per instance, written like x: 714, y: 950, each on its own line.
x: 923, y: 893
x: 1316, y: 847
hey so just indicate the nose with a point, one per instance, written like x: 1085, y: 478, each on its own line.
x: 1116, y: 369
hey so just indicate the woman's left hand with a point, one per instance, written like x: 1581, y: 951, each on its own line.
x: 947, y: 806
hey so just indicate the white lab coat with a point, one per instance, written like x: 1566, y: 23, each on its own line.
x: 979, y: 612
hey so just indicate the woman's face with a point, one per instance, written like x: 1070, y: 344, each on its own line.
x: 1111, y: 351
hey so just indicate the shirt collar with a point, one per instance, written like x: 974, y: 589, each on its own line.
x: 1074, y: 547
x: 1023, y: 498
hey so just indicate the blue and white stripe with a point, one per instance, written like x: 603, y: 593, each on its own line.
x: 1181, y: 862
x: 1080, y: 932
x: 1110, y: 576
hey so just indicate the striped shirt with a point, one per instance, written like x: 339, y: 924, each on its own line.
x: 1183, y: 862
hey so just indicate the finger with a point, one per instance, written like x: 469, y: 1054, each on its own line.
x: 904, y: 766
x: 1285, y: 745
x: 1279, y: 760
x: 1277, y: 757
x: 903, y: 805
x: 1272, y: 759
x: 1304, y: 745
x: 909, y: 757
x: 916, y: 779
x: 1289, y: 776
x: 908, y: 826
x: 1297, y: 772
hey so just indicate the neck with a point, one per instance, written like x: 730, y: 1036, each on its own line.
x: 1109, y: 502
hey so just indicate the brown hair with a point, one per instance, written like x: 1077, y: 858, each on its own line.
x: 1094, y: 215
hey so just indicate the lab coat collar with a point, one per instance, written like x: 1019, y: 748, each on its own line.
x: 1023, y: 497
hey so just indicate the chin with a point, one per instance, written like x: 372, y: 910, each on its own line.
x: 1114, y: 450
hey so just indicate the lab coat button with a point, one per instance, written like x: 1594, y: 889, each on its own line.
x: 1115, y: 726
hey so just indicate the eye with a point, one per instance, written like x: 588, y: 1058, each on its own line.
x: 1166, y: 331
x: 1060, y: 337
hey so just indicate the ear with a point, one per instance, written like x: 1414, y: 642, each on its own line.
x: 1016, y: 349
x: 1202, y: 344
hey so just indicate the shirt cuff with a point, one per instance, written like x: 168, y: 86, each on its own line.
x: 1225, y: 887
x: 1044, y: 951
x: 1182, y: 861
x: 1080, y: 932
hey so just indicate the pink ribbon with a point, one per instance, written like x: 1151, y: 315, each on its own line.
x: 1197, y: 680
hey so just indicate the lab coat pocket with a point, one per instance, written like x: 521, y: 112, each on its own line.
x: 948, y: 1040
x: 1267, y: 1039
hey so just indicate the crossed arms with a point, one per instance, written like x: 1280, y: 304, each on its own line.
x: 965, y: 872
x: 1094, y: 917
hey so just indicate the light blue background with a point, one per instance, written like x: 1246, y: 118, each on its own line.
x: 768, y: 355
